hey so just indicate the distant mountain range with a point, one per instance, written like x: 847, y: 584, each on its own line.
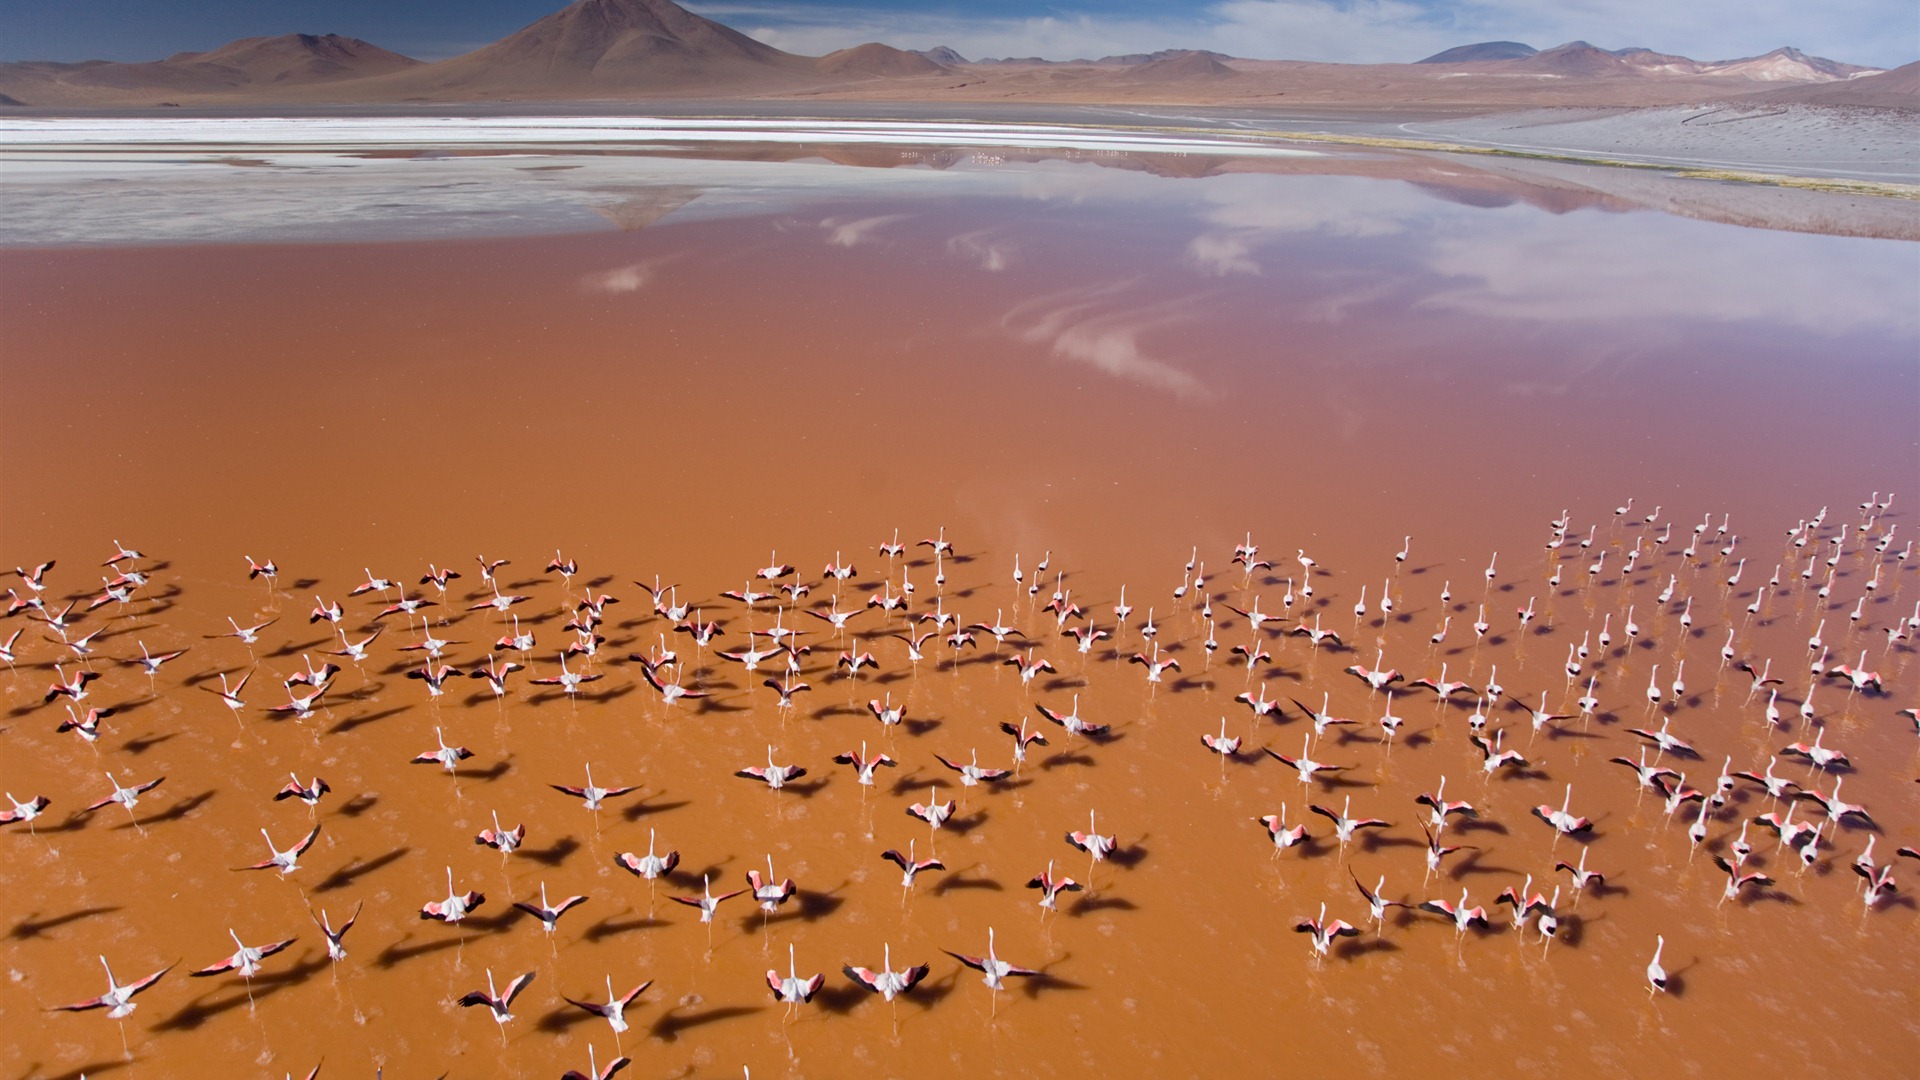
x: 1785, y: 64
x: 639, y: 49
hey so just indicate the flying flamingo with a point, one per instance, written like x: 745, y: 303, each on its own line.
x: 455, y: 907
x: 793, y: 989
x: 615, y: 1009
x: 496, y: 1003
x: 118, y: 1000
x: 285, y: 861
x: 886, y: 982
x: 994, y: 969
x: 1324, y: 931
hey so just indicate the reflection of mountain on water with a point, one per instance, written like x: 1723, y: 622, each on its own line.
x: 646, y: 205
x: 1494, y: 192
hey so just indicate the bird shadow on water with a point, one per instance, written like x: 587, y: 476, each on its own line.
x: 399, y: 952
x: 355, y: 869
x: 955, y: 882
x: 1091, y: 905
x: 1357, y: 948
x: 554, y: 854
x: 32, y: 926
x: 352, y: 722
x: 634, y: 811
x: 143, y: 743
x: 840, y: 1000
x: 670, y: 1024
x: 1035, y: 985
x: 487, y: 775
x: 292, y: 647
x: 1469, y: 864
x: 172, y: 813
x: 613, y: 926
x: 961, y: 826
x: 236, y: 993
x: 563, y: 1019
x: 810, y: 906
x: 94, y: 1069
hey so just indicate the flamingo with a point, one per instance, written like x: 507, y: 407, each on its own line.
x: 1345, y: 825
x: 1438, y: 807
x: 774, y: 776
x: 506, y: 841
x: 594, y: 1071
x: 1562, y: 822
x: 793, y: 989
x: 1304, y: 764
x: 591, y: 796
x: 994, y: 970
x: 887, y: 982
x: 706, y: 902
x: 447, y: 757
x: 245, y: 960
x: 455, y: 907
x: 24, y: 811
x: 933, y: 812
x: 548, y: 914
x: 1325, y: 931
x: 1461, y: 914
x: 1072, y: 722
x: 336, y: 949
x: 496, y: 1003
x: 1278, y: 831
x: 615, y: 1009
x: 910, y: 867
x: 864, y: 765
x: 1022, y: 738
x: 285, y: 861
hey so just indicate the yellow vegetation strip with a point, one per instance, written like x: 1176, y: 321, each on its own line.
x: 1810, y: 183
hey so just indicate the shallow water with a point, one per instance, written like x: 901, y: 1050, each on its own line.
x: 1117, y: 365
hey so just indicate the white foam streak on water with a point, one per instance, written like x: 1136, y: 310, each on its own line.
x: 338, y: 132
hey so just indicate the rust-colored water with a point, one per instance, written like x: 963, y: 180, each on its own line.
x: 1455, y: 377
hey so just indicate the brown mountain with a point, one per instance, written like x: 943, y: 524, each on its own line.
x: 249, y: 64
x: 882, y: 61
x: 650, y: 49
x: 1896, y: 89
x: 606, y: 47
x: 1479, y: 51
x: 1573, y: 58
x: 1179, y: 68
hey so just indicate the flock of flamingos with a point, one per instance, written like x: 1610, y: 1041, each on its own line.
x: 788, y: 631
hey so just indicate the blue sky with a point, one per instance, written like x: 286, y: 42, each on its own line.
x: 1878, y: 32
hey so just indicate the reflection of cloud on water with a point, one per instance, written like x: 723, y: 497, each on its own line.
x: 1336, y: 205
x: 842, y: 232
x: 1218, y: 254
x: 981, y: 248
x: 1101, y: 326
x: 623, y: 279
x: 1590, y: 268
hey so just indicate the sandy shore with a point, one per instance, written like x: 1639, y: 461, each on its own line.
x: 1792, y: 140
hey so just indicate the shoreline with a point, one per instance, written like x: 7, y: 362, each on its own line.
x: 1849, y: 150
